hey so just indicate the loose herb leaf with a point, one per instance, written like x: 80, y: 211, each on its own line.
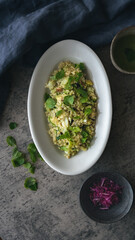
x: 68, y: 100
x: 32, y: 169
x: 60, y: 74
x: 31, y: 183
x: 27, y: 165
x: 59, y: 113
x: 50, y: 103
x: 46, y: 96
x: 13, y: 125
x: 32, y: 148
x: 87, y: 111
x: 11, y: 141
x: 64, y: 136
x: 33, y: 156
x: 39, y: 156
x: 17, y: 162
x: 16, y: 153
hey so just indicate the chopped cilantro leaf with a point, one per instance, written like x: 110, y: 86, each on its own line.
x: 60, y: 74
x: 18, y: 161
x: 31, y: 183
x: 13, y: 125
x: 68, y: 100
x: 11, y: 141
x: 83, y: 99
x: 46, y: 96
x: 27, y: 165
x: 64, y: 136
x: 32, y: 169
x: 16, y: 153
x: 50, y: 103
x: 59, y: 113
x: 87, y: 111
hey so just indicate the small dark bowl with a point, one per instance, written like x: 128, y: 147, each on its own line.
x: 115, y: 212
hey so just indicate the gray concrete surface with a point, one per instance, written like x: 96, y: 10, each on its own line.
x: 53, y: 212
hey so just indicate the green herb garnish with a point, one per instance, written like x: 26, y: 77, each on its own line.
x: 60, y: 74
x: 63, y: 148
x: 31, y: 183
x: 83, y: 140
x: 13, y: 125
x: 50, y: 103
x: 83, y: 99
x: 17, y: 162
x: 27, y: 165
x: 16, y: 153
x: 87, y: 111
x: 46, y: 96
x: 82, y: 92
x: 39, y: 156
x: 81, y: 66
x: 11, y: 141
x: 32, y: 169
x: 32, y: 151
x: 64, y: 135
x: 84, y: 134
x: 68, y: 100
x: 33, y: 157
x: 74, y: 129
x: 31, y: 148
x: 59, y: 113
x: 53, y: 77
x: 34, y: 154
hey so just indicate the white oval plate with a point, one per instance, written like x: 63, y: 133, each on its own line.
x: 77, y: 52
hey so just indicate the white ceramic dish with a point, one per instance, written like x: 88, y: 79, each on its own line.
x: 77, y: 52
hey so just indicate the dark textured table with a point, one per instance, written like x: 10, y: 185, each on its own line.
x: 53, y: 212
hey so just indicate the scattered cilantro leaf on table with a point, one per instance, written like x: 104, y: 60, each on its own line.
x: 31, y: 183
x: 13, y: 125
